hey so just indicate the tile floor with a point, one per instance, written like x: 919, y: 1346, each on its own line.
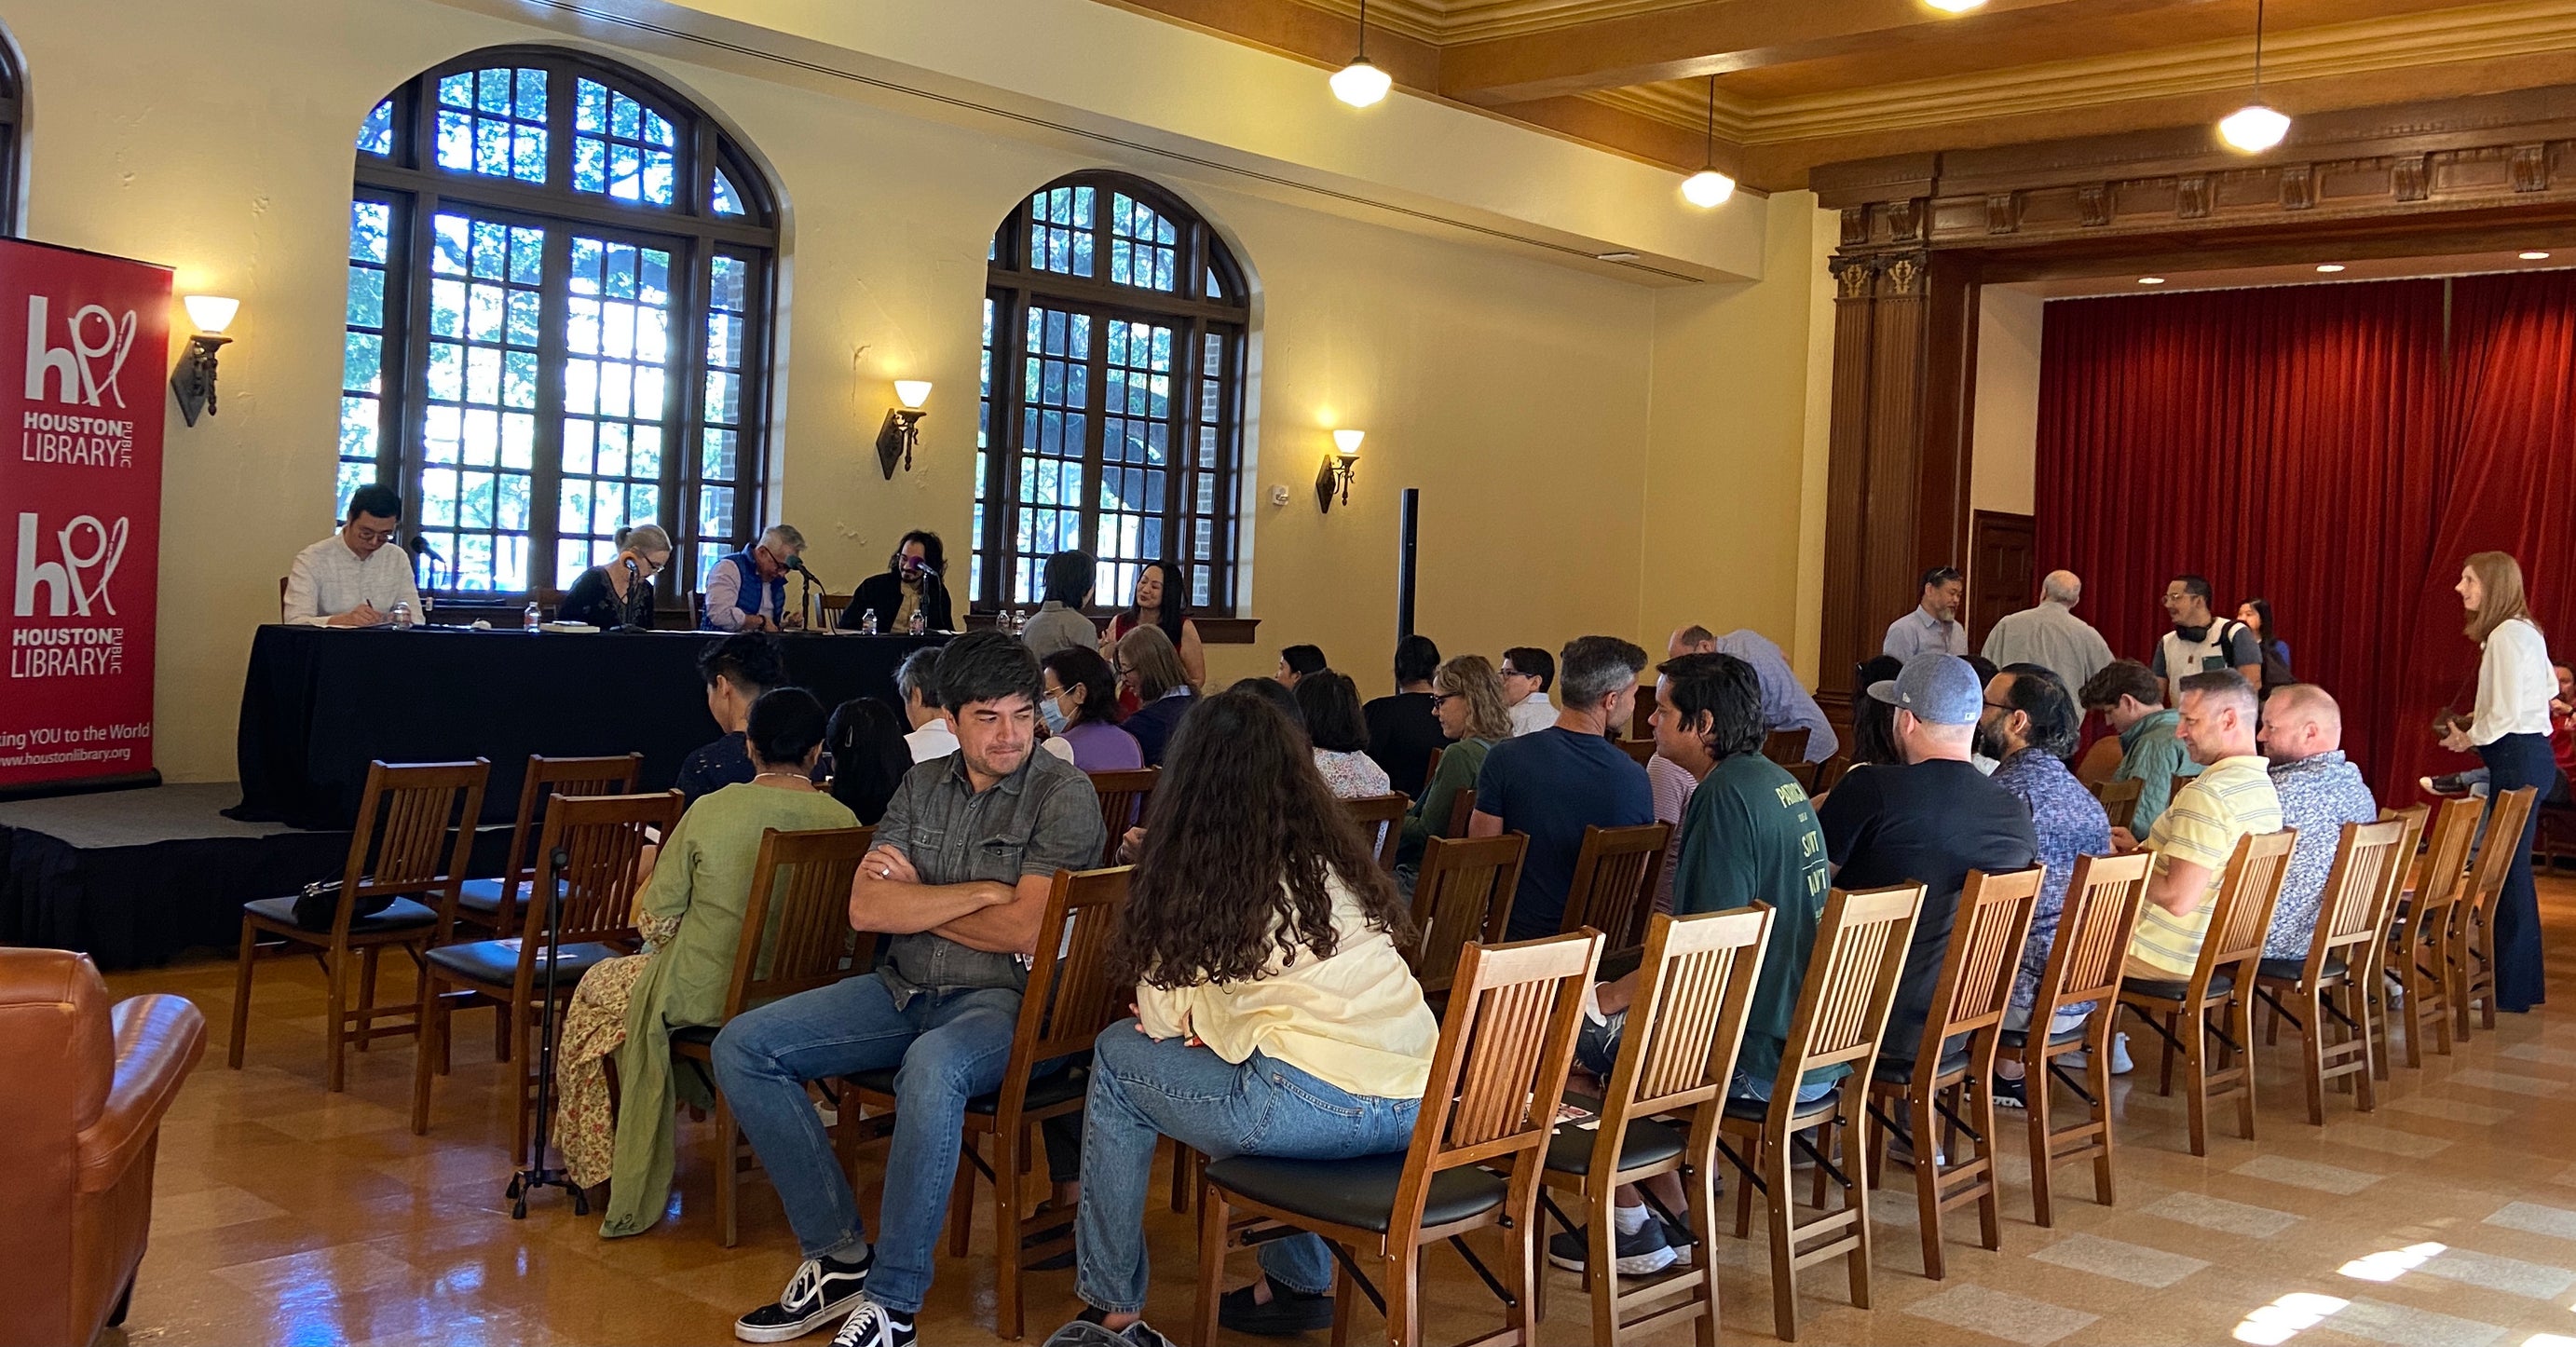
x: 287, y: 1216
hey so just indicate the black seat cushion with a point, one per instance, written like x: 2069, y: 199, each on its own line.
x: 2175, y: 989
x: 1358, y: 1192
x: 483, y: 896
x: 2014, y: 1038
x: 2289, y: 970
x: 1053, y: 1088
x: 1898, y: 1070
x: 494, y: 964
x: 1738, y: 1107
x: 1647, y: 1142
x: 402, y: 914
x: 696, y: 1035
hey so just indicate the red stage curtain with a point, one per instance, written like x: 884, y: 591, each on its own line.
x: 2283, y: 442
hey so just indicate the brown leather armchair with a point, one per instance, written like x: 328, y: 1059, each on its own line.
x: 80, y: 1119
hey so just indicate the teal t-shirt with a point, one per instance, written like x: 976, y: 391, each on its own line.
x: 1750, y: 835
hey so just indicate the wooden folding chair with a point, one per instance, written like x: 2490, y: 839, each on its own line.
x: 2473, y: 953
x: 601, y: 840
x: 1071, y: 997
x: 495, y: 905
x: 1462, y: 803
x: 1639, y: 749
x: 2424, y: 928
x: 2379, y: 985
x: 2331, y: 982
x: 414, y: 838
x: 798, y: 915
x: 1488, y: 1115
x: 1676, y: 1056
x: 1947, y: 1087
x: 1382, y: 818
x: 1463, y: 892
x: 2120, y: 800
x: 1612, y: 887
x: 1787, y: 747
x: 1123, y: 797
x: 2083, y: 970
x: 2217, y: 1000
x: 2180, y: 780
x: 1850, y: 984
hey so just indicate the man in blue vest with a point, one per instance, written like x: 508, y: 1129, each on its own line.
x: 747, y: 590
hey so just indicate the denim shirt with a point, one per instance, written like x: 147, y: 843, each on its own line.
x: 1040, y: 819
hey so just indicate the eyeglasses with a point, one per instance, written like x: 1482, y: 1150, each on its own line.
x: 1440, y: 699
x: 2000, y: 706
x: 368, y: 535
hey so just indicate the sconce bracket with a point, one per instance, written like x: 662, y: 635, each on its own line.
x: 896, y: 438
x: 1334, y: 478
x: 194, y: 381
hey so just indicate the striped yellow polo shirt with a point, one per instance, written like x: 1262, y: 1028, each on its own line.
x: 2229, y: 799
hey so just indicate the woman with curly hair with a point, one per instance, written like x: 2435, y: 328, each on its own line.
x: 1274, y: 1012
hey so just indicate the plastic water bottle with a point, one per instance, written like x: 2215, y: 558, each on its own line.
x: 920, y: 622
x: 528, y: 621
x: 1019, y: 620
x: 867, y: 622
x: 402, y: 615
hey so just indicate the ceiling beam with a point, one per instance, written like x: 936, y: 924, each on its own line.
x: 1717, y: 37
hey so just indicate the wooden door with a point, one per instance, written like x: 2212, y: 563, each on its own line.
x: 2003, y: 574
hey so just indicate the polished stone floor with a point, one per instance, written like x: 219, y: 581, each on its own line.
x: 2446, y: 1219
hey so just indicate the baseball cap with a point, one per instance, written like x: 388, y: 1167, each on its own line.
x: 1938, y: 689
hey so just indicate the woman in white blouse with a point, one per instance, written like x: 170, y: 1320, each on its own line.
x: 2510, y: 730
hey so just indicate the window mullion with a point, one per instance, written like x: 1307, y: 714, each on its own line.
x: 406, y: 395
x: 554, y: 319
x: 684, y: 391
x: 1095, y: 430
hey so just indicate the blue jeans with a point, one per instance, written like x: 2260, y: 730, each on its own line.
x: 2515, y: 761
x: 946, y: 1048
x: 1143, y: 1089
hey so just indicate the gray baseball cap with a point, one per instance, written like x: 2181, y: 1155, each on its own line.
x: 1938, y: 689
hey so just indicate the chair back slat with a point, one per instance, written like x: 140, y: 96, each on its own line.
x: 1612, y: 889
x: 415, y: 830
x: 1464, y: 892
x: 1072, y: 993
x: 2093, y: 931
x: 590, y: 857
x: 1123, y: 797
x: 2241, y: 915
x: 1462, y: 803
x: 2508, y: 818
x: 2120, y: 799
x: 1786, y: 747
x: 546, y: 778
x: 799, y: 907
x: 2445, y: 866
x: 1851, y: 980
x: 1976, y: 980
x: 1506, y: 1042
x: 1694, y: 992
x: 2367, y: 861
x: 1639, y: 749
x: 1381, y: 817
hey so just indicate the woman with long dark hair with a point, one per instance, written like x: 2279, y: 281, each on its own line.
x: 2257, y: 615
x: 1162, y: 600
x: 1329, y: 703
x: 1275, y: 1015
x: 868, y: 755
x: 2510, y: 730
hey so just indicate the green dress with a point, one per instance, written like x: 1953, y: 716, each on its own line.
x: 703, y: 881
x: 1429, y: 816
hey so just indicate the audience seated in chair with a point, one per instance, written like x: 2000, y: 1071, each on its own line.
x: 690, y: 914
x: 1151, y: 669
x: 2194, y: 838
x: 1467, y: 696
x: 2131, y: 701
x: 1403, y: 729
x: 737, y: 670
x: 934, y: 733
x: 1080, y: 708
x: 2030, y: 725
x: 1929, y: 821
x: 867, y: 756
x: 1560, y: 780
x: 1275, y: 1015
x: 1528, y: 672
x: 959, y: 876
x: 1750, y: 837
x: 1296, y: 662
x: 2320, y: 790
x: 1786, y: 703
x: 1339, y: 732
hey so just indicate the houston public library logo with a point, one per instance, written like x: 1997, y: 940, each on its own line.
x: 75, y: 586
x: 85, y: 374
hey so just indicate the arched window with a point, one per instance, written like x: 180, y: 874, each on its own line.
x: 559, y: 310
x: 1113, y: 388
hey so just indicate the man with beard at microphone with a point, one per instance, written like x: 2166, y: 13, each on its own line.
x: 909, y: 583
x: 747, y: 590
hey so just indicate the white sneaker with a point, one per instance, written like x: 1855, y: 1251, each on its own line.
x: 2120, y: 1063
x: 873, y: 1325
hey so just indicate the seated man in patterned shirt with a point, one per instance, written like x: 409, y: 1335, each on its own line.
x: 2030, y: 726
x: 2320, y: 790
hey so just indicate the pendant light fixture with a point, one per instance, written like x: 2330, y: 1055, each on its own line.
x: 1709, y: 188
x: 1361, y: 84
x: 2257, y: 126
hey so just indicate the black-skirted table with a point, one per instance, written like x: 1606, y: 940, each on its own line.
x: 319, y: 703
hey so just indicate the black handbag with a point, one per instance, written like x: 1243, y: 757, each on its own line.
x: 319, y: 905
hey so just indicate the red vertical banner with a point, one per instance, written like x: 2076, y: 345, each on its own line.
x: 84, y: 352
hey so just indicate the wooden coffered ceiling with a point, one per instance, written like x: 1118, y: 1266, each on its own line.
x: 1808, y: 82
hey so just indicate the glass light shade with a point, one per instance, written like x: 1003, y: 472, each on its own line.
x: 211, y: 313
x: 1361, y: 84
x: 1956, y: 6
x: 1707, y: 188
x: 2330, y: 268
x: 2254, y: 128
x: 912, y: 393
x: 2535, y: 257
x: 1347, y: 442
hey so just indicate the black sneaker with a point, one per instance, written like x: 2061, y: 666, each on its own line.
x: 1087, y: 1332
x: 2012, y: 1093
x: 822, y: 1289
x: 1646, y: 1251
x: 1289, y: 1312
x: 873, y: 1325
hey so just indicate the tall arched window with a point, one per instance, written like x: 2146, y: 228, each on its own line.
x: 1113, y: 389
x: 559, y: 309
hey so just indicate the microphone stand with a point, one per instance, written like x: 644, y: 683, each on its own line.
x: 526, y: 1182
x: 805, y: 606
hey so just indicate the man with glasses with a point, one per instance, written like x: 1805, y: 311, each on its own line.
x: 356, y: 577
x: 2201, y: 642
x: 747, y: 590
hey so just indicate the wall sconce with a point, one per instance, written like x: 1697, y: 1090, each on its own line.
x: 902, y: 428
x: 1340, y: 466
x: 194, y: 382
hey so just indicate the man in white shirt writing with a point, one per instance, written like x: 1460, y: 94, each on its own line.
x: 354, y: 577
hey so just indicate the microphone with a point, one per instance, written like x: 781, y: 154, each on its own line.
x: 420, y: 547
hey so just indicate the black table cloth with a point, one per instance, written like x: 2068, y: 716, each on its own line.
x: 319, y: 703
